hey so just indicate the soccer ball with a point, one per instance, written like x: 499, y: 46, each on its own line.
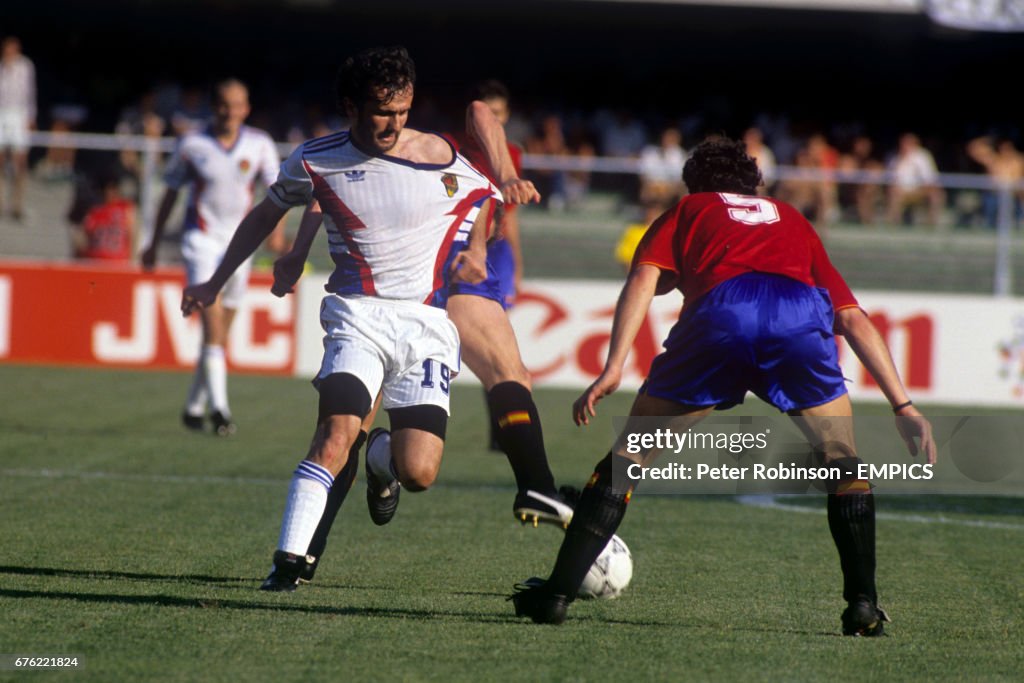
x: 610, y: 573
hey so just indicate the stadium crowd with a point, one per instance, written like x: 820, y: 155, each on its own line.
x: 896, y: 169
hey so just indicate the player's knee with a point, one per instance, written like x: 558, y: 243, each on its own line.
x: 417, y: 439
x: 420, y: 474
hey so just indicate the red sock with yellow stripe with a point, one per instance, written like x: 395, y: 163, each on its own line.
x: 518, y: 432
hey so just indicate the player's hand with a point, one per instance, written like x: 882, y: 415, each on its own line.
x: 519, y: 191
x: 584, y: 407
x: 197, y: 297
x: 287, y: 271
x: 911, y: 424
x: 469, y: 267
x: 148, y: 257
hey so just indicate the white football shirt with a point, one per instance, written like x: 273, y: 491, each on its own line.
x: 391, y: 223
x: 222, y: 178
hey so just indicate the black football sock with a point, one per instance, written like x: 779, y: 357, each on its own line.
x: 492, y: 425
x: 600, y: 510
x: 336, y: 496
x: 519, y: 434
x: 851, y: 519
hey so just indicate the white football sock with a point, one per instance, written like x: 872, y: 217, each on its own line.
x: 307, y: 498
x: 195, y: 401
x: 216, y: 369
x: 378, y: 458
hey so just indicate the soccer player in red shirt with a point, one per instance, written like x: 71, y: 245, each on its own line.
x: 761, y: 304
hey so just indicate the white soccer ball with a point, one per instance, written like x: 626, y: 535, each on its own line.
x: 610, y: 573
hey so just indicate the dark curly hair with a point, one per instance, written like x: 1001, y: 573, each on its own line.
x: 361, y: 77
x: 719, y: 164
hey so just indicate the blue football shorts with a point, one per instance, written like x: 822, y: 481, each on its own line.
x: 767, y: 334
x: 491, y: 288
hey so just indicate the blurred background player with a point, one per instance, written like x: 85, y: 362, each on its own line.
x: 761, y: 303
x: 504, y: 250
x: 17, y: 119
x: 220, y: 165
x: 397, y: 199
x: 488, y: 345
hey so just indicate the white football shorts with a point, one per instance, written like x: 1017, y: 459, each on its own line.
x: 407, y: 350
x: 202, y: 254
x: 13, y: 129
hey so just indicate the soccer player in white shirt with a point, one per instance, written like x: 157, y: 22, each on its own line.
x: 488, y: 347
x: 220, y: 166
x: 396, y: 200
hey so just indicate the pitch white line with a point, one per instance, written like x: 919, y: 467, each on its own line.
x: 149, y: 478
x: 771, y: 503
x: 191, y: 479
x: 760, y: 501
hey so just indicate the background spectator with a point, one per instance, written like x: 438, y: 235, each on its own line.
x: 825, y: 159
x: 763, y: 155
x: 914, y: 182
x: 17, y: 119
x: 858, y: 201
x: 661, y: 173
x: 103, y: 221
x: 1004, y: 164
x: 549, y: 140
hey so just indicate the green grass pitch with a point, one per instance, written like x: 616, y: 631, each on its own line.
x: 139, y: 547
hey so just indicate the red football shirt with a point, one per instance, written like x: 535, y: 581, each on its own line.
x: 710, y: 237
x: 108, y: 230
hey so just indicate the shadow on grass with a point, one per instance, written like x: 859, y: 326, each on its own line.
x: 134, y: 576
x: 353, y: 611
x: 255, y: 606
x: 105, y: 574
x: 161, y: 600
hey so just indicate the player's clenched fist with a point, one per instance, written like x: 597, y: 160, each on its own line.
x: 196, y: 297
x: 287, y: 271
x: 519, y: 191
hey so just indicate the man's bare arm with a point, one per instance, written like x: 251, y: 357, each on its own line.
x: 488, y: 132
x: 254, y: 228
x: 630, y: 311
x: 873, y: 352
x: 288, y: 268
x: 163, y: 213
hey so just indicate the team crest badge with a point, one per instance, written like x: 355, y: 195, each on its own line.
x: 244, y: 165
x: 451, y: 184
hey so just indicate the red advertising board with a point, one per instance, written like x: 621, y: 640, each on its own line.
x: 121, y: 317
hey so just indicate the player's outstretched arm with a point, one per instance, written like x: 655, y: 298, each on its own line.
x: 148, y: 255
x: 872, y: 351
x: 630, y: 311
x: 484, y: 127
x: 288, y: 268
x: 251, y: 232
